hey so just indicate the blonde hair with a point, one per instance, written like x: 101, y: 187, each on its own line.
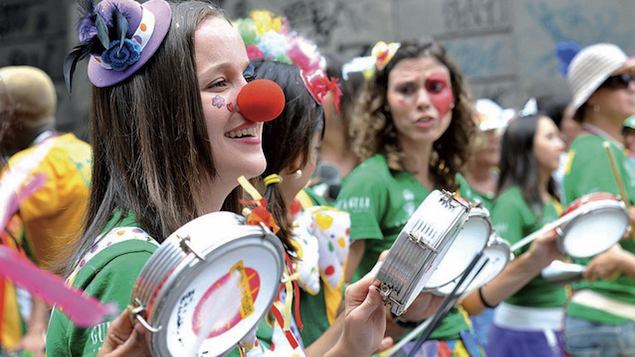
x: 32, y: 94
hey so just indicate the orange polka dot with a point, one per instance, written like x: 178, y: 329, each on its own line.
x: 341, y: 242
x: 143, y: 27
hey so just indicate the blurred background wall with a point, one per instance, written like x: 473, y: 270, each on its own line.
x: 504, y: 47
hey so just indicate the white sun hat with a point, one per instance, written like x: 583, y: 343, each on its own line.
x: 591, y: 67
x: 491, y: 116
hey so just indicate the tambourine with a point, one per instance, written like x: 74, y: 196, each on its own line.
x: 420, y: 247
x: 471, y: 240
x: 498, y: 254
x: 597, y: 222
x: 590, y: 225
x: 559, y: 272
x: 208, y: 285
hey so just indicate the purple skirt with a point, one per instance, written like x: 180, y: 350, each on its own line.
x: 505, y: 342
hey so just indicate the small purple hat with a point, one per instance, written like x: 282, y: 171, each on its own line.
x: 147, y: 26
x: 120, y: 36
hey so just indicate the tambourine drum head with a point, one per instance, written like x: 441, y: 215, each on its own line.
x: 219, y: 284
x: 226, y: 294
x: 470, y: 241
x: 498, y: 255
x: 594, y: 232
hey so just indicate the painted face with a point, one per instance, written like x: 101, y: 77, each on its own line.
x: 547, y: 144
x: 222, y: 70
x: 420, y: 99
x: 616, y: 101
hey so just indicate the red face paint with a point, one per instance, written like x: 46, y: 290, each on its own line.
x: 440, y: 91
x: 230, y: 107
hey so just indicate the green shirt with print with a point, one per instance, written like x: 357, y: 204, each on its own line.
x: 380, y: 201
x: 513, y: 219
x: 110, y: 277
x: 588, y: 170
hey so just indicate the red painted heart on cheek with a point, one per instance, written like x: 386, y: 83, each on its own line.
x: 440, y: 91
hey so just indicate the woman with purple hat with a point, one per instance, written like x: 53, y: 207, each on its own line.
x: 165, y: 152
x: 601, y: 315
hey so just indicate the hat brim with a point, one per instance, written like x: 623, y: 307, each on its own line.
x: 629, y: 64
x: 102, y: 77
x: 583, y: 95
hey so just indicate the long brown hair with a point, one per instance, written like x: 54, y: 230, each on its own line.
x: 519, y: 166
x: 289, y: 136
x: 374, y: 131
x: 151, y: 151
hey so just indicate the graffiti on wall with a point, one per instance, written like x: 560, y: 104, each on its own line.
x: 463, y: 15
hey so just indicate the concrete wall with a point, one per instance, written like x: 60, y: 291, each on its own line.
x: 504, y: 47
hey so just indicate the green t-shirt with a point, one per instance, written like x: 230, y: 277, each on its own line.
x: 380, y: 201
x: 109, y: 276
x: 513, y: 219
x: 588, y: 170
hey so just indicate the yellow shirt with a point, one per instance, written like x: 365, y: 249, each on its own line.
x: 11, y: 324
x: 53, y: 215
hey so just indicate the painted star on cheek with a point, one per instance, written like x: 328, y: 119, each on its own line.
x: 440, y: 91
x: 218, y: 101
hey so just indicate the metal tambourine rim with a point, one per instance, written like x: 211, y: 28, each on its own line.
x: 167, y: 278
x: 394, y: 289
x: 587, y: 212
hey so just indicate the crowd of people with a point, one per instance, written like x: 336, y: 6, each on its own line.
x: 355, y: 150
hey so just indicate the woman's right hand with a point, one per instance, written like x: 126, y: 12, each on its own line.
x: 364, y: 320
x: 123, y: 338
x: 544, y: 250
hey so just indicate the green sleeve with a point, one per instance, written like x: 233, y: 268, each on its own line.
x: 507, y: 218
x: 112, y: 283
x: 365, y: 198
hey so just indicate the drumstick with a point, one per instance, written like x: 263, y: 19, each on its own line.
x: 616, y: 174
x: 546, y: 228
x: 448, y: 302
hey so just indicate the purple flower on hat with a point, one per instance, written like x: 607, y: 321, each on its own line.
x: 121, y: 58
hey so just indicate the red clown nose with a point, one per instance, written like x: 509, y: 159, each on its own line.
x: 260, y: 100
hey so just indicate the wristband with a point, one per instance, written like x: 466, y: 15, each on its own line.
x: 485, y: 303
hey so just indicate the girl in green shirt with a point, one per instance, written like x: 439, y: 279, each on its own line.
x: 412, y: 134
x: 168, y: 147
x: 529, y: 322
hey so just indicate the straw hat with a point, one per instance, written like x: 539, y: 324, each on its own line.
x: 591, y: 67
